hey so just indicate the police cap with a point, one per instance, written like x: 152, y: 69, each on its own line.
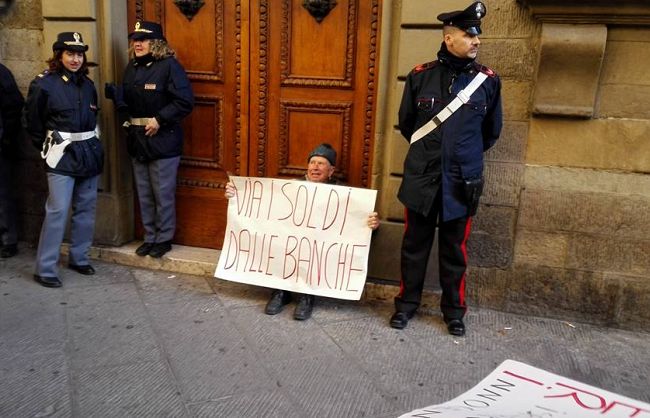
x: 146, y: 30
x: 468, y: 20
x: 69, y: 41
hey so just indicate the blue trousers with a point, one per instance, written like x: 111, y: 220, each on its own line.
x: 64, y: 192
x: 155, y: 182
x: 8, y: 234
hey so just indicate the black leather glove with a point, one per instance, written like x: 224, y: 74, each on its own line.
x: 114, y: 93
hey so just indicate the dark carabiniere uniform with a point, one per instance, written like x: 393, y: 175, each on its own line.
x: 453, y: 152
x: 65, y: 102
x: 158, y: 89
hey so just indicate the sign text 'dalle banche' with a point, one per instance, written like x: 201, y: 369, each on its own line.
x: 298, y: 235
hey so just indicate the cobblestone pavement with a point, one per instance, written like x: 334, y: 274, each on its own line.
x: 131, y: 342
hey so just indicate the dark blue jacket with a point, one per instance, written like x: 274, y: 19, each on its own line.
x: 160, y: 89
x: 65, y: 102
x: 453, y: 152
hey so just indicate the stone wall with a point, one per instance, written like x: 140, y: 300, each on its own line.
x: 562, y: 228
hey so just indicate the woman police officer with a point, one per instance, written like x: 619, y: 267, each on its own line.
x: 60, y: 116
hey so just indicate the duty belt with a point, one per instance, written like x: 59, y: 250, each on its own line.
x: 139, y: 121
x: 75, y: 136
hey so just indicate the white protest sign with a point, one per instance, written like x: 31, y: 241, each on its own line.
x: 517, y: 390
x: 298, y: 235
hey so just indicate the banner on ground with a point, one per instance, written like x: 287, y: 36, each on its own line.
x: 517, y: 390
x: 298, y: 235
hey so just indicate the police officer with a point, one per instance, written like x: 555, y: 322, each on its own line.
x: 60, y: 116
x: 11, y: 106
x: 449, y: 127
x: 153, y: 99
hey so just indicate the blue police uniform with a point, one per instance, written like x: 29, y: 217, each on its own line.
x: 11, y: 105
x: 155, y: 88
x: 443, y: 170
x: 66, y: 102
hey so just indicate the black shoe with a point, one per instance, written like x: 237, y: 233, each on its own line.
x: 304, y: 307
x: 400, y: 319
x: 278, y: 299
x: 144, y: 249
x: 455, y: 327
x: 48, y: 281
x: 160, y: 248
x: 86, y: 270
x: 9, y: 250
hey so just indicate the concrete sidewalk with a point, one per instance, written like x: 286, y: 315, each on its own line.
x: 134, y: 342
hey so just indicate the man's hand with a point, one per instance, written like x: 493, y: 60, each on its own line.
x: 230, y: 190
x: 151, y: 128
x: 373, y: 221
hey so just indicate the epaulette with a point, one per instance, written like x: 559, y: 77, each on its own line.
x: 43, y: 74
x: 426, y: 66
x: 486, y: 70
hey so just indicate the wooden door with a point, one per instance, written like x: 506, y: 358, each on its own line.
x: 271, y: 81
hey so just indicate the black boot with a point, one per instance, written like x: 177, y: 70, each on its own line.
x: 279, y: 298
x: 304, y: 307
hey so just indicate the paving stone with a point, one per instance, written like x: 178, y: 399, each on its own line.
x: 33, y: 327
x: 208, y: 355
x: 38, y: 384
x: 165, y: 287
x: 133, y: 390
x: 101, y: 294
x: 233, y: 294
x: 110, y: 334
x: 280, y: 337
x: 268, y: 404
x: 331, y: 387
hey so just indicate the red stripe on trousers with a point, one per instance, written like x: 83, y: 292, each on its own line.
x: 463, y: 248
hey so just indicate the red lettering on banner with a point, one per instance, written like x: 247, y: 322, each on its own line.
x: 577, y: 395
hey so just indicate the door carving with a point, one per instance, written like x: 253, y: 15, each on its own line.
x: 270, y: 83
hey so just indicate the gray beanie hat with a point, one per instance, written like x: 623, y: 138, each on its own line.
x: 326, y: 151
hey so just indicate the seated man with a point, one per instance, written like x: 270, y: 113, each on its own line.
x: 320, y: 168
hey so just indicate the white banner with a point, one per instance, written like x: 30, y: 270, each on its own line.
x: 517, y: 390
x: 299, y: 236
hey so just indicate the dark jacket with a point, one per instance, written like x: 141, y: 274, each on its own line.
x: 453, y: 152
x: 160, y: 89
x: 65, y: 102
x: 11, y: 106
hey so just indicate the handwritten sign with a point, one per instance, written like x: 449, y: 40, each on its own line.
x: 298, y: 235
x: 516, y: 390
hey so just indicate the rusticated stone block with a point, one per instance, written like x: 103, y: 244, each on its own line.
x: 516, y: 99
x: 624, y: 101
x: 622, y: 217
x: 561, y: 293
x: 391, y: 208
x: 507, y: 18
x: 428, y: 41
x: 69, y: 8
x: 486, y: 250
x: 510, y: 58
x: 486, y: 287
x: 384, y: 257
x: 502, y: 183
x: 511, y: 146
x: 420, y: 12
x: 23, y: 14
x: 570, y: 61
x: 634, y: 298
x: 598, y: 144
x: 608, y: 254
x: 585, y: 181
x: 630, y: 34
x: 541, y: 248
x: 495, y: 220
x: 623, y: 58
x: 398, y: 148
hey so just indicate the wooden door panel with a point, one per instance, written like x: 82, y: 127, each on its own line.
x: 320, y: 90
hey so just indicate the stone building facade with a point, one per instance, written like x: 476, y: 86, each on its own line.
x: 563, y: 226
